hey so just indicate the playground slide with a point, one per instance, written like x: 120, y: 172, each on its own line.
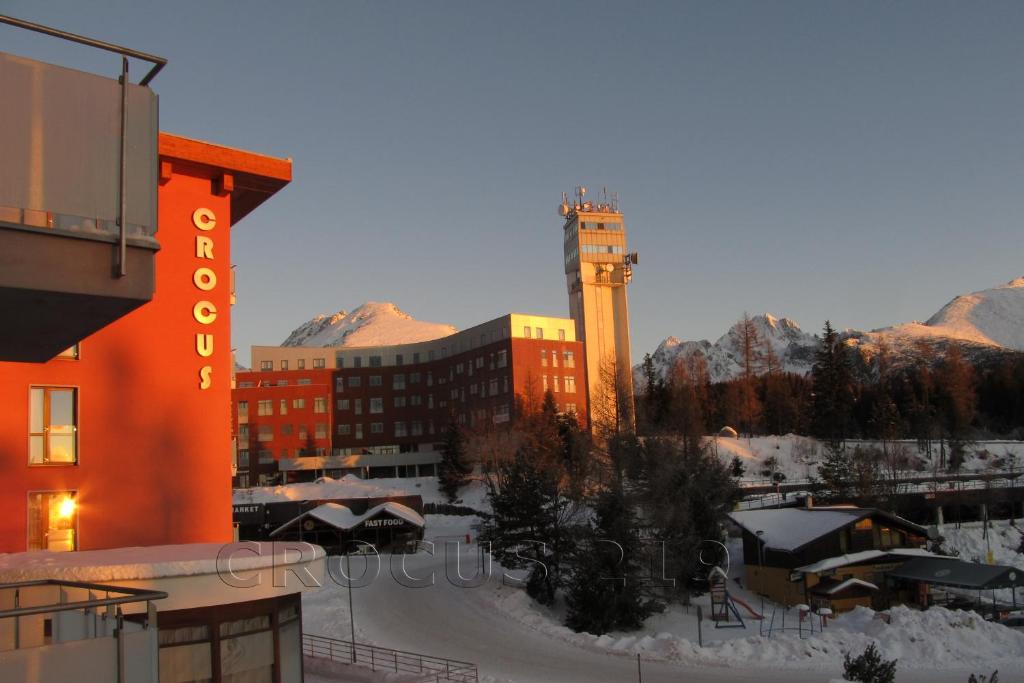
x: 753, y: 614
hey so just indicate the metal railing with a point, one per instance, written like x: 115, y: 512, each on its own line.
x: 158, y: 64
x: 385, y: 659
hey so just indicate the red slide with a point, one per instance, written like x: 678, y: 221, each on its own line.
x: 753, y: 614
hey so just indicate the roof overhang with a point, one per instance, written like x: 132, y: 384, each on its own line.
x: 249, y: 178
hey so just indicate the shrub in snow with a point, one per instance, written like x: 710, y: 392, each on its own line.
x: 994, y: 678
x: 869, y: 667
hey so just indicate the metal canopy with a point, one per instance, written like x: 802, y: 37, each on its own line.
x: 959, y: 574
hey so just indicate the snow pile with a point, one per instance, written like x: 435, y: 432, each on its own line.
x: 934, y: 639
x: 372, y: 324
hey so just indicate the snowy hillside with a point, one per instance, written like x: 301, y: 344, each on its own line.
x: 984, y: 324
x: 990, y: 320
x: 372, y: 324
x: 792, y: 346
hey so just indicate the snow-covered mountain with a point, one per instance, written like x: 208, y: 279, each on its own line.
x: 982, y: 323
x: 792, y: 346
x: 372, y: 324
x: 985, y: 324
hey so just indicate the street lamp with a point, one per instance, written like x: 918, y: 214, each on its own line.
x: 760, y: 569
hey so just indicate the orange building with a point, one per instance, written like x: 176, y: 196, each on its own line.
x: 117, y: 558
x: 133, y: 424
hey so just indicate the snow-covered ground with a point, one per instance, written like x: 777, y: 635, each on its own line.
x: 512, y: 639
x: 798, y: 457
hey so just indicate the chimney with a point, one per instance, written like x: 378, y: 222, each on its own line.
x: 809, y: 501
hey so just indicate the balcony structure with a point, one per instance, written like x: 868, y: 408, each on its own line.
x: 78, y: 201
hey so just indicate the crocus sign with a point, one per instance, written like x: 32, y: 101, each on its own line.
x: 205, y: 280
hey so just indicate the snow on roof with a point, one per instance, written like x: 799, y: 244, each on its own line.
x: 863, y: 556
x: 151, y: 562
x: 349, y: 486
x: 341, y: 517
x: 849, y: 583
x: 792, y: 528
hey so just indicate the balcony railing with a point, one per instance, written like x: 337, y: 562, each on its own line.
x: 54, y: 630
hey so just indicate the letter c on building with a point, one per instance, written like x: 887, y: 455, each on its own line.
x: 204, y: 312
x: 204, y: 219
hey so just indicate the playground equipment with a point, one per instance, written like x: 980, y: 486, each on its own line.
x: 723, y: 605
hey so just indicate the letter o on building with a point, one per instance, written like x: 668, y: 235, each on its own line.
x: 204, y: 278
x: 204, y: 219
x: 204, y: 312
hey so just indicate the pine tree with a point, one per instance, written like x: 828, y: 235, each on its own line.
x: 604, y: 592
x: 833, y: 392
x: 530, y: 523
x: 836, y: 472
x: 455, y: 467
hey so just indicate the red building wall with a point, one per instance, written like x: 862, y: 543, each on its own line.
x: 154, y: 449
x: 444, y: 389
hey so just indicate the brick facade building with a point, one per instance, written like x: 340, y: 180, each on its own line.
x: 380, y: 411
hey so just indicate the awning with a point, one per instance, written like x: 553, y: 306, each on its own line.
x: 959, y: 574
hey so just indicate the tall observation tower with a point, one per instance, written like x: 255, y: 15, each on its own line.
x: 598, y: 267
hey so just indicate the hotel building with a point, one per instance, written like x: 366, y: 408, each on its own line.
x: 115, y: 377
x: 381, y: 411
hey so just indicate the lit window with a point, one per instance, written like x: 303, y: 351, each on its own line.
x: 53, y: 425
x: 265, y: 407
x: 540, y: 333
x: 568, y: 360
x: 283, y: 406
x: 554, y: 384
x: 526, y: 331
x: 243, y: 409
x: 52, y: 521
x: 570, y: 384
x: 543, y: 358
x: 299, y: 403
x: 284, y: 365
x: 319, y: 404
x: 561, y: 335
x: 301, y: 364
